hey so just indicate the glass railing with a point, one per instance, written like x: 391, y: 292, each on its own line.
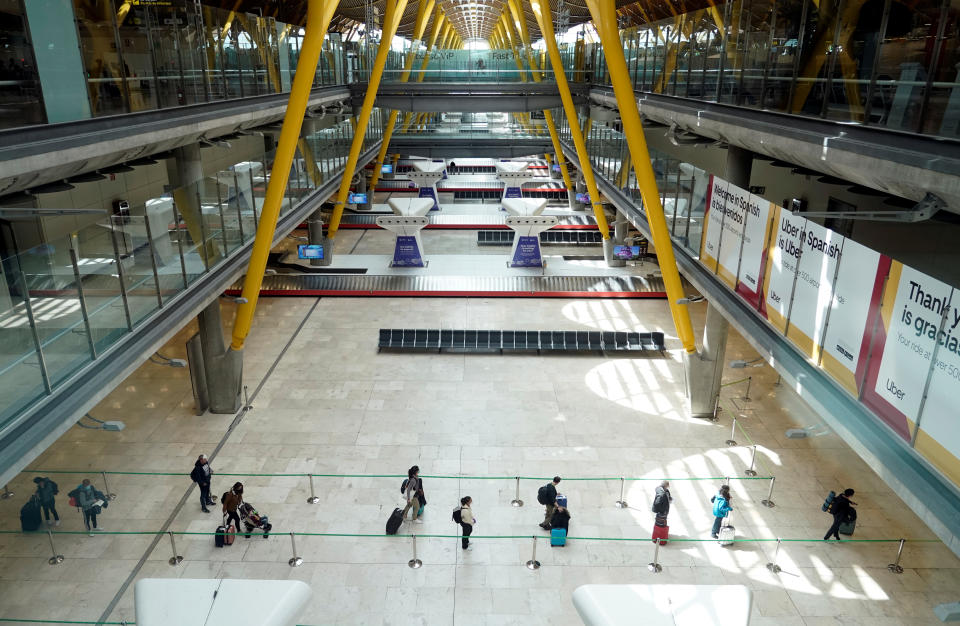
x: 67, y: 302
x: 471, y: 66
x: 797, y: 57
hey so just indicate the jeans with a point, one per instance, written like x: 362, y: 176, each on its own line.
x: 413, y: 504
x: 467, y: 529
x: 48, y: 509
x: 204, y: 494
x: 89, y: 518
x: 717, y: 522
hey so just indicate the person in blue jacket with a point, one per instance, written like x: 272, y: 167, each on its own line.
x: 721, y: 508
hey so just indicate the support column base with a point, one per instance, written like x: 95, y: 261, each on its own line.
x: 225, y: 381
x: 698, y: 375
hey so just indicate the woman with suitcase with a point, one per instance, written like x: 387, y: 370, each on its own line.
x: 721, y: 508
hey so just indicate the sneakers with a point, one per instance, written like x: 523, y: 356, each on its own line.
x: 715, y: 536
x: 469, y: 548
x: 99, y: 530
x: 56, y: 523
x: 91, y: 534
x: 418, y: 521
x: 205, y: 510
x: 544, y: 526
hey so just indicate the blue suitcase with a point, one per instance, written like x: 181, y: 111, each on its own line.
x: 561, y: 500
x: 558, y: 536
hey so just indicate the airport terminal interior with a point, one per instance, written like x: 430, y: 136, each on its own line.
x: 479, y: 312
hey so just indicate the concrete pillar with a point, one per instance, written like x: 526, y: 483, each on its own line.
x: 704, y: 370
x: 185, y: 173
x: 223, y: 369
x: 316, y: 237
x: 361, y: 187
x: 620, y: 229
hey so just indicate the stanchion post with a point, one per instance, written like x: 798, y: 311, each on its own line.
x: 246, y: 400
x: 313, y: 499
x: 295, y: 561
x: 655, y: 567
x: 726, y: 481
x: 533, y: 563
x: 621, y: 503
x: 7, y: 494
x: 895, y: 566
x: 779, y: 378
x: 176, y: 559
x: 746, y: 396
x: 414, y: 563
x: 772, y: 565
x: 733, y: 431
x: 768, y: 502
x: 517, y: 501
x: 753, y: 458
x: 56, y: 559
x: 106, y: 488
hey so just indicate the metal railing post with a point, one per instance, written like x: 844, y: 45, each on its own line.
x: 7, y: 494
x: 176, y: 559
x: 895, y: 566
x: 517, y: 501
x: 313, y: 499
x: 768, y: 502
x: 533, y: 563
x: 56, y: 559
x: 295, y: 561
x: 772, y: 565
x: 106, y: 488
x: 726, y: 481
x: 654, y: 566
x: 621, y: 503
x: 753, y: 457
x: 746, y: 396
x: 733, y: 431
x: 246, y: 400
x: 414, y: 563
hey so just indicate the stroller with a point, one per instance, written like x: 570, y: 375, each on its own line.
x: 252, y: 519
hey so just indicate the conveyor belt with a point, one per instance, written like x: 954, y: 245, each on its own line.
x: 460, y: 286
x: 469, y: 222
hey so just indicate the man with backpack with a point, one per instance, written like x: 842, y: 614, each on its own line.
x: 662, y: 500
x: 463, y: 515
x: 547, y: 496
x: 841, y: 508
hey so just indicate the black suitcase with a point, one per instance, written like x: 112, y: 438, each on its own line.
x: 30, y: 519
x: 848, y: 526
x: 393, y: 524
x: 219, y: 538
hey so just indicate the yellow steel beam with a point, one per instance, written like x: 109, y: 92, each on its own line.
x: 605, y: 21
x: 391, y: 20
x: 319, y: 14
x: 541, y: 10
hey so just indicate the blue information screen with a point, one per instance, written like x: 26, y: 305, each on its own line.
x: 583, y: 197
x: 357, y: 198
x: 626, y: 253
x: 312, y: 251
x: 386, y: 168
x: 556, y: 168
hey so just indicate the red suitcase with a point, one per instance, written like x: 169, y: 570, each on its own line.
x: 661, y: 533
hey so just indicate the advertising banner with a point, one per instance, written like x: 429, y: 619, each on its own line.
x: 526, y: 252
x: 820, y: 250
x: 406, y: 252
x: 712, y: 223
x: 428, y: 192
x: 513, y: 192
x: 784, y: 251
x: 753, y: 259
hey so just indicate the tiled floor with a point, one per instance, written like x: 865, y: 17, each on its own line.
x: 333, y: 405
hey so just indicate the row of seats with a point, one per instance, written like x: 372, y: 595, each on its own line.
x: 562, y: 237
x: 409, y: 339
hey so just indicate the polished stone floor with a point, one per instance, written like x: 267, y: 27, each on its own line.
x: 326, y: 402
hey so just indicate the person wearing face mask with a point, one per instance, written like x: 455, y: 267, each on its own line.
x: 201, y: 474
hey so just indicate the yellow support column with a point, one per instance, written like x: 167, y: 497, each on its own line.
x: 319, y: 14
x: 390, y: 22
x: 605, y: 20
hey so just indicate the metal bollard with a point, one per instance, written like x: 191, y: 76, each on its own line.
x: 753, y: 457
x: 655, y: 567
x: 746, y: 396
x: 621, y: 503
x: 779, y: 378
x: 176, y: 559
x: 772, y: 565
x: 295, y: 561
x: 726, y: 481
x: 246, y: 400
x: 313, y: 499
x: 414, y: 563
x: 106, y: 488
x: 895, y: 566
x: 7, y: 494
x: 533, y: 563
x: 768, y: 502
x: 517, y: 501
x: 733, y: 431
x: 56, y: 559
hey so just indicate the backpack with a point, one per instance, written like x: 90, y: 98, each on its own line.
x: 659, y: 503
x: 403, y: 485
x: 828, y: 503
x: 543, y: 496
x: 456, y: 516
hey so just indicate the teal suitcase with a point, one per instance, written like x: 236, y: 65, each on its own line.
x: 558, y: 536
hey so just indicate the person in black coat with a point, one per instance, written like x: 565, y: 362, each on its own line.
x: 47, y: 491
x: 201, y: 474
x: 842, y: 507
x: 561, y: 518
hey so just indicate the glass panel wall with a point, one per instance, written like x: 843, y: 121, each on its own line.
x: 20, y: 100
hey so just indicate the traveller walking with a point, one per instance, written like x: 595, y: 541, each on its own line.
x: 467, y: 520
x: 662, y: 500
x: 201, y: 474
x: 46, y: 492
x: 91, y: 502
x: 721, y: 508
x: 231, y: 501
x: 547, y: 496
x: 841, y: 509
x: 412, y: 489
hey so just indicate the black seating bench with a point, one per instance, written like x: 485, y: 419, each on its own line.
x: 421, y: 340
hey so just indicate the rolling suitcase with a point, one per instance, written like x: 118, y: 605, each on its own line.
x: 727, y: 533
x: 231, y: 534
x: 30, y: 519
x: 561, y: 500
x: 393, y: 524
x: 848, y: 526
x: 558, y: 537
x: 218, y: 539
x: 660, y: 529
